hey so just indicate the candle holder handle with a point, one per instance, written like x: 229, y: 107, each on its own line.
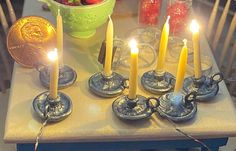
x: 172, y: 81
x: 191, y: 97
x: 39, y: 67
x: 46, y: 111
x: 151, y: 105
x: 217, y: 78
x: 125, y: 83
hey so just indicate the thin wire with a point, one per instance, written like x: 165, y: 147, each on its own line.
x: 40, y: 134
x: 188, y: 136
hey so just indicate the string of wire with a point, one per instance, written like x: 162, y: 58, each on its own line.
x: 39, y: 135
x: 188, y: 136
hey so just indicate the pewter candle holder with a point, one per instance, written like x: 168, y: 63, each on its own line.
x: 53, y: 110
x: 67, y: 76
x: 205, y: 87
x: 177, y: 107
x: 134, y: 109
x: 157, y: 83
x: 107, y: 86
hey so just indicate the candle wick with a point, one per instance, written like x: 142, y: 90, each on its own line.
x: 168, y: 18
x: 58, y: 12
x: 185, y: 42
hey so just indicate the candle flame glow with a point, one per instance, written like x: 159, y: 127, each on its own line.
x: 133, y: 46
x: 194, y: 27
x: 52, y: 55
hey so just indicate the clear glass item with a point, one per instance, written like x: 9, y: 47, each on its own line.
x: 149, y: 11
x: 179, y: 12
x: 206, y: 64
x: 149, y: 35
x: 122, y: 55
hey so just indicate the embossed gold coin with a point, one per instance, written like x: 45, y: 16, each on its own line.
x: 29, y: 40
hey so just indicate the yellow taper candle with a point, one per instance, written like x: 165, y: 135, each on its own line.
x: 181, y: 68
x: 109, y: 47
x: 163, y: 46
x: 60, y: 36
x: 133, y: 77
x: 54, y: 73
x: 196, y: 47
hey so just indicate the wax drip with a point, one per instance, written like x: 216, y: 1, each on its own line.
x: 188, y: 136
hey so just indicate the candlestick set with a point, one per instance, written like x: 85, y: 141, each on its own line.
x: 178, y: 105
x: 159, y: 81
x: 205, y: 87
x: 53, y: 105
x: 107, y: 83
x: 174, y: 103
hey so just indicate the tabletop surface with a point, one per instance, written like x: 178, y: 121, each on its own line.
x: 92, y: 118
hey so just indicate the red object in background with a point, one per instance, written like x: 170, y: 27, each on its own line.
x: 178, y: 12
x: 89, y: 2
x: 149, y: 11
x: 77, y: 2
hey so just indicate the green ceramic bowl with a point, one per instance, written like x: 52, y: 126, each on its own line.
x: 82, y: 21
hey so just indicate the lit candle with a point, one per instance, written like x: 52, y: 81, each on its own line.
x: 162, y: 47
x: 196, y: 47
x: 181, y: 68
x: 109, y: 47
x: 54, y: 72
x: 133, y: 77
x: 60, y: 36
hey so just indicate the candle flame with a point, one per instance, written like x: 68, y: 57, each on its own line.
x: 133, y: 46
x: 52, y: 55
x: 194, y: 27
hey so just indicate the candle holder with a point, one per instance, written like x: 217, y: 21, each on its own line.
x: 205, y: 87
x: 134, y: 109
x: 177, y: 107
x: 107, y: 86
x: 67, y: 76
x: 53, y: 110
x: 157, y: 83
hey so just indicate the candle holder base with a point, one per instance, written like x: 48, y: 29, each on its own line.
x: 157, y: 83
x: 205, y: 87
x: 107, y: 86
x: 133, y: 109
x: 177, y: 107
x: 52, y: 109
x: 67, y: 77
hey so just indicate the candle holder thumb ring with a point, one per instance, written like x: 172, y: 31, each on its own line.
x: 177, y: 107
x: 67, y: 76
x: 52, y: 110
x: 205, y: 87
x: 134, y: 109
x: 107, y: 86
x: 157, y: 83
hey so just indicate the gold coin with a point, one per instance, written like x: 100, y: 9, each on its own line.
x: 29, y: 40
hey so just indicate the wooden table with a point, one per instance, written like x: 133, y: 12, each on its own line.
x: 92, y: 121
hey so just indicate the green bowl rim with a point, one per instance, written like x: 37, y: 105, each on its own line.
x: 83, y: 7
